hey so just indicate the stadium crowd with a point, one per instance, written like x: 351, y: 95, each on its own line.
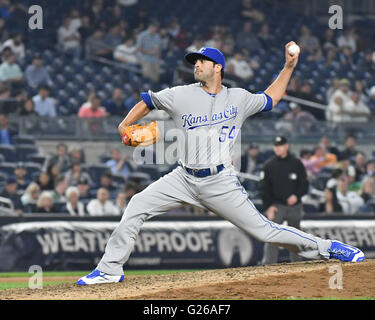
x: 341, y: 65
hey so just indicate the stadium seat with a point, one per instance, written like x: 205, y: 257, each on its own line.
x: 22, y: 139
x: 96, y: 170
x: 32, y: 169
x: 24, y: 150
x: 8, y: 152
x: 37, y: 158
x: 151, y: 170
x: 7, y: 168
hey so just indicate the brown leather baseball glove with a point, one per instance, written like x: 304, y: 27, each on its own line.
x: 141, y: 135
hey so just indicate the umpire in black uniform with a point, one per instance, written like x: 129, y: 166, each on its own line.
x: 284, y: 182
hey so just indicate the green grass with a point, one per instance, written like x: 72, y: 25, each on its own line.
x: 26, y: 275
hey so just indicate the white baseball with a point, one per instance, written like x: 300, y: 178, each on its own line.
x: 293, y: 49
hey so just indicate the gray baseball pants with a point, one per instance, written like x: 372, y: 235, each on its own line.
x: 221, y: 193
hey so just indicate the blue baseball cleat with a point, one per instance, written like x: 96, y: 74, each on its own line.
x: 344, y: 252
x: 97, y: 277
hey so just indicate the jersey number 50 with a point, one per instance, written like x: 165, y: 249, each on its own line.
x: 226, y: 133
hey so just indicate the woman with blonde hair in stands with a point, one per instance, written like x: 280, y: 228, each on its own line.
x: 73, y: 206
x: 30, y: 197
x: 45, y: 203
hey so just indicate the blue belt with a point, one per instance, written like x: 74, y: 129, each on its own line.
x: 201, y: 173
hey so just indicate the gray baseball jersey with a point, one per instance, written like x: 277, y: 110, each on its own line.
x: 209, y: 124
x: 213, y: 123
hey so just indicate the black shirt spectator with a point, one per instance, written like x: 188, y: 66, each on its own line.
x: 116, y: 106
x: 20, y: 176
x: 10, y: 192
x: 350, y: 150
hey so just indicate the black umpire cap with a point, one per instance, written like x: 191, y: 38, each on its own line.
x: 279, y: 141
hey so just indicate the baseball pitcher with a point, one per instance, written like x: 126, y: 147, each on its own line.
x: 209, y: 117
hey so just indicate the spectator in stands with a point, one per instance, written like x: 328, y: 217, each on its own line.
x: 116, y: 105
x: 54, y: 171
x: 328, y: 42
x: 264, y: 36
x: 308, y: 42
x: 132, y: 100
x: 246, y: 38
x: 345, y: 165
x: 86, y: 29
x: 75, y: 174
x: 359, y: 87
x: 61, y: 158
x: 350, y: 150
x: 5, y: 91
x: 239, y: 68
x: 10, y: 192
x: 45, y: 203
x: 4, y: 33
x: 69, y: 38
x: 360, y: 165
x: 6, y: 133
x: 121, y: 202
x: 347, y: 39
x: 95, y: 110
x: 251, y: 159
x: 126, y: 52
x: 332, y: 204
x: 45, y: 105
x: 27, y: 108
x: 95, y: 46
x: 113, y: 37
x: 61, y: 184
x: 251, y: 13
x: 102, y: 206
x: 331, y: 62
x: 16, y: 45
x: 106, y: 181
x: 343, y: 90
x: 311, y: 165
x: 149, y: 46
x: 297, y: 114
x: 198, y: 43
x: 30, y: 197
x: 130, y: 189
x: 44, y: 182
x: 11, y: 72
x: 331, y: 148
x: 367, y: 192
x: 75, y: 19
x: 371, y: 103
x: 36, y: 74
x: 327, y: 159
x: 356, y: 109
x: 76, y: 155
x: 20, y: 174
x: 73, y: 206
x: 335, y: 85
x: 349, y: 201
x: 83, y: 188
x: 87, y: 103
x: 118, y: 163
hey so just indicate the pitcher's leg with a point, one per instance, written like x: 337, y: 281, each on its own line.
x: 170, y: 191
x: 233, y: 205
x: 293, y: 217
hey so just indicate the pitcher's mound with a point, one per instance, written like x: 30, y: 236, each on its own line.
x: 315, y: 279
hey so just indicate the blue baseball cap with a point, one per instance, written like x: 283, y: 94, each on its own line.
x: 206, y: 52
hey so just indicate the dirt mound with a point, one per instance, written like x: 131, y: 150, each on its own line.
x: 292, y: 280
